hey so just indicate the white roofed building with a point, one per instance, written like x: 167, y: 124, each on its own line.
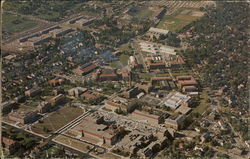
x: 175, y: 100
x: 157, y: 32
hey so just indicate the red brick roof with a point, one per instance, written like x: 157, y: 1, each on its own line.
x: 15, y: 115
x: 187, y: 87
x: 157, y: 64
x: 187, y: 83
x: 184, y: 77
x: 89, y: 68
x: 108, y: 75
x: 56, y: 81
x: 116, y: 105
x: 88, y: 95
x: 8, y: 141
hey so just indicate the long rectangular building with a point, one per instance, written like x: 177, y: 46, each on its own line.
x: 24, y: 117
x: 146, y: 117
x: 87, y: 68
x: 175, y: 100
x: 94, y: 127
x: 156, y: 48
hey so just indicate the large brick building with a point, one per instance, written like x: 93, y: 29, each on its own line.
x: 120, y: 103
x: 148, y: 118
x: 94, y: 127
x: 24, y: 117
x: 57, y: 99
x: 44, y: 107
x: 108, y: 75
x: 33, y: 92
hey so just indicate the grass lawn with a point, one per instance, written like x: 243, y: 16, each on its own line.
x: 178, y: 20
x: 57, y: 119
x: 124, y: 59
x: 248, y: 30
x: 115, y: 64
x: 13, y: 23
x: 175, y: 23
x: 162, y: 75
x: 50, y: 15
x: 201, y: 108
x: 144, y: 13
x: 145, y: 76
x: 125, y: 47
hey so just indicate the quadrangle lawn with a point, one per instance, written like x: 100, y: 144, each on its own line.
x: 202, y: 107
x: 56, y: 120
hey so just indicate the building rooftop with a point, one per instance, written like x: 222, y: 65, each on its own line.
x: 159, y: 31
x: 108, y: 71
x: 22, y: 113
x: 7, y: 103
x: 58, y: 96
x: 175, y: 99
x: 187, y: 87
x: 78, y: 89
x: 156, y: 48
x: 88, y: 95
x: 146, y: 115
x: 87, y: 67
x: 8, y: 141
x: 182, y: 83
x: 183, y: 109
x: 99, y: 130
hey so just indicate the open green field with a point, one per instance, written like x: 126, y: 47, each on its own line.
x: 115, y: 64
x: 145, y: 76
x: 50, y: 15
x: 57, y: 120
x: 125, y: 48
x: 13, y: 23
x: 248, y: 30
x: 123, y: 59
x: 144, y: 13
x: 141, y: 12
x: 49, y: 10
x: 177, y: 21
x: 162, y: 74
x: 202, y: 107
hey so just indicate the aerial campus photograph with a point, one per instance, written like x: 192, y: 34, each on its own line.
x: 121, y: 79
